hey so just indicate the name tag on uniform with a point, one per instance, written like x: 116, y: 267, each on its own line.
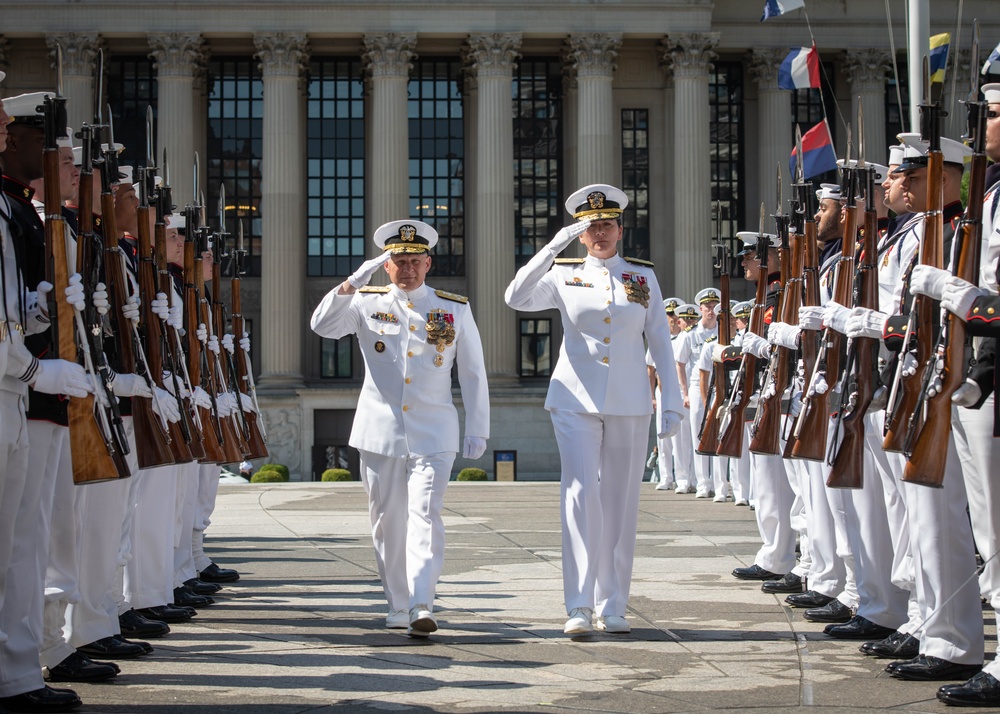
x: 384, y: 317
x: 577, y: 283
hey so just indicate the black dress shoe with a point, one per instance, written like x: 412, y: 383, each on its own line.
x: 789, y: 583
x: 833, y: 611
x: 200, y: 587
x: 166, y: 613
x: 895, y: 646
x: 146, y: 647
x: 858, y: 628
x: 78, y: 668
x: 755, y: 572
x: 133, y: 624
x: 41, y: 701
x: 983, y: 690
x: 925, y: 668
x: 185, y: 596
x: 111, y: 648
x: 214, y: 574
x: 810, y: 598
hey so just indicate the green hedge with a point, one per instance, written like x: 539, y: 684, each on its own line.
x: 267, y: 476
x: 471, y: 474
x: 337, y: 475
x: 280, y: 468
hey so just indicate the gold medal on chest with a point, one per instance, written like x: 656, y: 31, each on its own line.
x: 440, y: 330
x: 636, y: 289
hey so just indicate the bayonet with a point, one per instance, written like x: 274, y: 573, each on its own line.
x: 59, y: 70
x: 98, y: 86
x: 778, y: 212
x: 799, y: 169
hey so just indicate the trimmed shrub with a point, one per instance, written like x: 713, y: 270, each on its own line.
x: 337, y: 475
x: 280, y: 468
x: 471, y: 474
x: 267, y: 477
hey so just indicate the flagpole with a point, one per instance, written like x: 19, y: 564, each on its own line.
x: 919, y: 34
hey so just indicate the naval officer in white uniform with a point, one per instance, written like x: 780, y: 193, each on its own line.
x: 406, y: 425
x: 599, y: 397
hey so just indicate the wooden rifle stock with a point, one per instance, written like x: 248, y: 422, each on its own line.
x: 235, y: 434
x: 255, y: 439
x: 709, y: 440
x: 808, y: 340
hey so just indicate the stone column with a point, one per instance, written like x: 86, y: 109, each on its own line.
x: 866, y: 71
x: 282, y: 58
x: 591, y: 60
x: 774, y: 111
x: 489, y: 246
x: 79, y: 50
x: 388, y: 59
x: 661, y: 244
x: 691, y: 56
x: 178, y: 58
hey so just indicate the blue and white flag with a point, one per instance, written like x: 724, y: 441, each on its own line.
x: 992, y: 65
x: 775, y: 8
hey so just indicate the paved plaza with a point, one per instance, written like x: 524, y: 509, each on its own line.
x: 303, y: 630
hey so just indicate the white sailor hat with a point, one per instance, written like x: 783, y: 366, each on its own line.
x: 407, y: 236
x: 687, y: 311
x: 707, y: 295
x: 671, y: 304
x: 66, y: 142
x: 896, y: 154
x: 742, y: 309
x: 828, y: 190
x: 718, y: 308
x: 125, y: 173
x: 915, y: 154
x: 597, y: 202
x: 749, y: 239
x: 177, y: 220
x: 991, y: 93
x: 880, y: 171
x: 26, y: 108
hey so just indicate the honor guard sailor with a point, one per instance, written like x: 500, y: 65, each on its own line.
x: 406, y: 425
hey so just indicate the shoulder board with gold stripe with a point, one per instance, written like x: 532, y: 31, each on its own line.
x: 569, y: 261
x: 638, y: 261
x: 689, y: 328
x: 451, y: 296
x: 374, y: 289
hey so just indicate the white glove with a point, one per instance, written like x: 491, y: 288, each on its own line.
x: 200, y: 398
x: 130, y: 385
x: 42, y: 295
x: 168, y: 384
x: 362, y: 275
x: 131, y: 309
x: 565, y: 236
x: 811, y: 317
x: 966, y: 395
x: 866, y: 323
x: 781, y: 334
x: 795, y: 404
x: 165, y: 405
x: 74, y: 293
x: 756, y: 345
x: 818, y: 384
x: 213, y: 344
x: 670, y: 424
x: 717, y: 352
x: 57, y: 376
x: 909, y: 364
x: 959, y: 295
x: 474, y: 447
x: 227, y: 342
x: 245, y: 342
x: 879, y: 400
x: 99, y: 299
x: 928, y: 280
x: 835, y: 317
x: 160, y: 306
x: 201, y: 333
x: 247, y: 403
x: 227, y: 404
x: 175, y: 317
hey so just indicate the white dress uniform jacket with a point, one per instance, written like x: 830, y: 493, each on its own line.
x: 406, y: 404
x: 601, y: 367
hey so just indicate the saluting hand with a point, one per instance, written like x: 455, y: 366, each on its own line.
x: 566, y: 235
x: 362, y: 275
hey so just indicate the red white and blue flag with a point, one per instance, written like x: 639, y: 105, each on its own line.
x: 776, y: 8
x: 800, y: 69
x: 818, y: 155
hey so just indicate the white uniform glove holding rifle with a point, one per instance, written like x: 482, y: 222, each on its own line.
x: 74, y: 293
x: 835, y: 317
x: 227, y: 342
x: 247, y: 403
x: 866, y: 323
x: 131, y: 309
x: 362, y: 275
x: 565, y: 236
x: 130, y: 385
x: 165, y: 405
x: 958, y: 296
x: 928, y: 280
x: 161, y: 306
x: 200, y: 398
x: 756, y: 345
x: 245, y: 342
x: 99, y: 299
x: 782, y: 334
x: 811, y: 317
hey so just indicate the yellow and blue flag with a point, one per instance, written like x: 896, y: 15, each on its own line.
x: 939, y: 56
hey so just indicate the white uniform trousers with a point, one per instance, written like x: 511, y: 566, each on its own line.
x: 149, y: 573
x: 739, y: 472
x: 100, y: 510
x: 664, y: 460
x: 19, y: 536
x: 798, y: 480
x: 870, y: 541
x: 832, y: 567
x: 61, y: 567
x: 703, y: 463
x: 208, y: 489
x: 405, y: 497
x: 945, y: 566
x: 684, y: 454
x: 601, y: 462
x: 773, y: 511
x: 188, y: 482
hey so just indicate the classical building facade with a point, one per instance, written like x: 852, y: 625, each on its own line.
x: 325, y: 119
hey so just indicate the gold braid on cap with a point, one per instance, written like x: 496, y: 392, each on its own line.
x: 595, y: 209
